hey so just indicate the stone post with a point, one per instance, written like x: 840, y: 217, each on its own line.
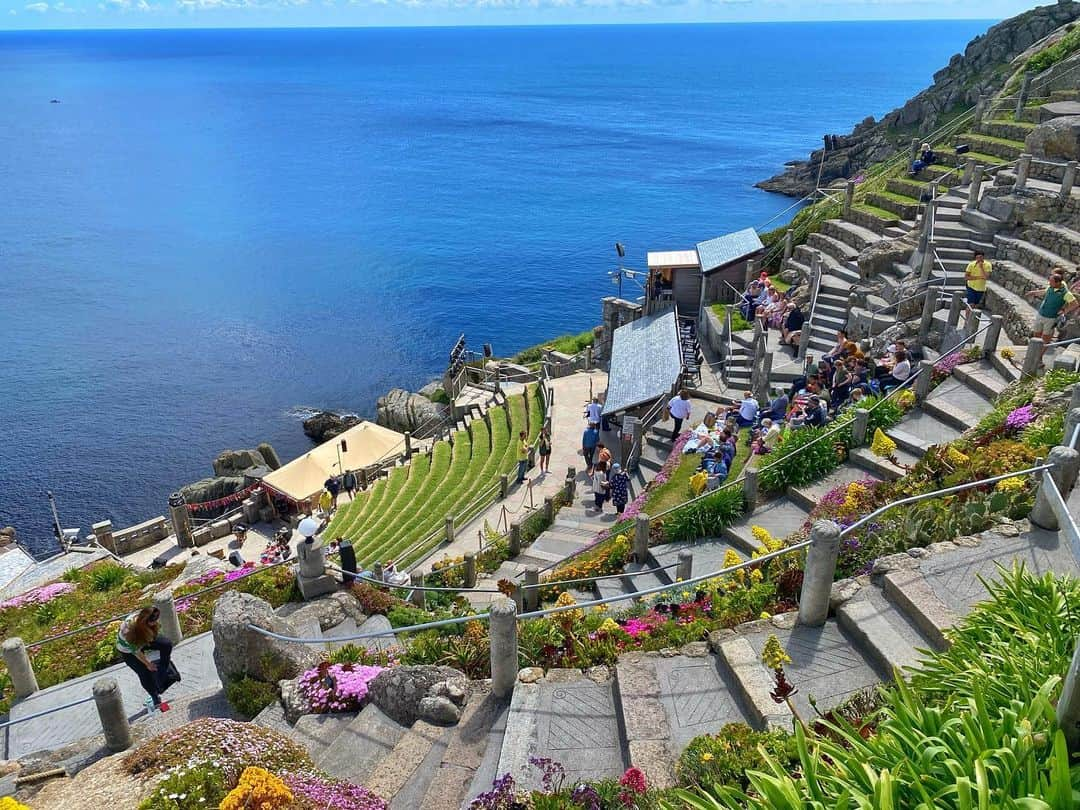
x: 449, y: 528
x: 849, y: 198
x: 641, y: 537
x: 170, y: 622
x: 974, y: 189
x: 311, y: 576
x: 1074, y: 397
x: 914, y: 148
x: 927, y: 266
x: 789, y: 243
x: 929, y: 307
x: 922, y: 382
x: 504, y: 647
x: 181, y: 520
x: 750, y: 489
x: 859, y: 426
x: 1032, y: 358
x: 470, y: 570
x: 549, y: 509
x: 417, y: 597
x: 504, y: 486
x: 408, y: 444
x: 980, y: 109
x: 954, y: 309
x: 1072, y: 419
x: 588, y: 358
x: 103, y: 532
x: 1068, y: 707
x: 114, y: 720
x: 1021, y: 100
x: 376, y: 571
x: 1023, y: 166
x: 1067, y: 181
x: 1066, y: 463
x: 530, y: 595
x: 348, y: 562
x: 971, y: 324
x: 762, y: 391
x: 993, y: 334
x: 751, y: 272
x: 969, y: 172
x: 515, y: 539
x: 820, y: 571
x: 686, y: 566
x: 19, y: 668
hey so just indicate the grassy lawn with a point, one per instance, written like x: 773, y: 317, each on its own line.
x: 738, y: 322
x: 676, y: 489
x: 567, y: 344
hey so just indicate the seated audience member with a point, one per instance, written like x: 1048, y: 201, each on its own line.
x: 754, y: 297
x: 901, y: 370
x: 746, y: 412
x: 777, y: 410
x: 815, y: 416
x: 797, y: 418
x: 926, y: 158
x: 766, y: 438
x: 841, y: 384
x: 838, y: 349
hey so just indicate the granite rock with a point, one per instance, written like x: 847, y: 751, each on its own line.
x: 239, y: 650
x: 406, y: 694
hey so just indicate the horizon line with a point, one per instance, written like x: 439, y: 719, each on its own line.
x: 303, y: 27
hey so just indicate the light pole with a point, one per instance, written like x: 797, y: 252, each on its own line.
x: 56, y: 520
x: 622, y: 253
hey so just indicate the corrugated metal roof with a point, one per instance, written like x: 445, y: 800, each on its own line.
x: 723, y: 250
x: 672, y: 258
x: 645, y: 362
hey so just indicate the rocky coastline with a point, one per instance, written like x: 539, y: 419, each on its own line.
x: 985, y: 67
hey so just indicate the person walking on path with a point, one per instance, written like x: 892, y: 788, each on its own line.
x: 522, y: 456
x: 600, y: 485
x: 593, y: 412
x: 589, y: 439
x: 348, y: 481
x: 543, y: 450
x: 603, y: 455
x: 620, y: 487
x: 679, y: 407
x: 137, y: 634
x: 333, y: 486
x: 1057, y: 299
x: 326, y: 502
x: 975, y: 276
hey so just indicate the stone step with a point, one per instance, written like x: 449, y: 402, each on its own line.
x: 403, y: 775
x: 780, y: 516
x: 908, y: 186
x: 983, y: 378
x: 850, y: 233
x: 1018, y: 312
x: 984, y: 223
x: 355, y: 753
x: 841, y: 251
x: 317, y: 731
x: 1005, y: 149
x: 1009, y: 369
x: 873, y: 218
x: 1016, y: 278
x: 954, y: 160
x: 830, y: 265
x: 346, y: 628
x: 1008, y: 129
x: 708, y: 555
x: 307, y: 626
x: 942, y: 171
x: 881, y: 632
x: 569, y: 718
x: 955, y: 403
x: 883, y: 468
x: 1059, y: 239
x: 472, y: 756
x: 904, y: 207
x: 809, y: 496
x: 752, y: 682
x: 1065, y: 95
x: 643, y: 582
x: 912, y: 594
x: 919, y: 431
x: 1035, y: 258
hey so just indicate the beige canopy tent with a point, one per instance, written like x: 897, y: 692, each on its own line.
x: 366, y: 444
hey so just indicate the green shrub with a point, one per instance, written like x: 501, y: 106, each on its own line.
x: 799, y: 460
x: 188, y: 788
x: 1047, y: 432
x: 107, y: 576
x: 1058, y: 379
x: 249, y: 696
x: 372, y: 599
x: 738, y: 322
x: 706, y: 517
x: 567, y: 344
x: 1057, y: 52
x: 716, y: 760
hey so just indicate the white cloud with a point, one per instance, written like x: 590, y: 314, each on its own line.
x: 40, y: 8
x: 128, y: 5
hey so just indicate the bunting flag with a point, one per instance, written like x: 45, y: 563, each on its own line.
x: 236, y: 497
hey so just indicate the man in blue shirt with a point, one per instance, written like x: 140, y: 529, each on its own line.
x: 589, y: 439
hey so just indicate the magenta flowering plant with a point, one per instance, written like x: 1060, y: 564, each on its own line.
x: 337, y: 687
x: 331, y: 794
x: 242, y: 571
x: 1020, y: 418
x: 38, y: 596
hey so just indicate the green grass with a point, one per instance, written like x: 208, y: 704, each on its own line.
x: 1060, y: 50
x: 780, y: 284
x: 567, y: 344
x: 676, y: 490
x: 536, y: 412
x: 902, y: 199
x: 1011, y: 123
x: 874, y: 211
x: 974, y: 136
x: 738, y: 322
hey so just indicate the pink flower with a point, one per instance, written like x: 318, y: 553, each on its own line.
x: 38, y: 596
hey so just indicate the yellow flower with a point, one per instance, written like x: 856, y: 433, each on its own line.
x: 8, y: 803
x: 765, y: 615
x: 955, y: 457
x: 756, y: 575
x: 706, y: 757
x: 906, y: 399
x: 882, y: 446
x: 1007, y: 353
x: 258, y: 789
x: 765, y: 539
x: 685, y: 594
x: 609, y: 625
x: 565, y: 600
x: 1014, y: 484
x: 774, y: 656
x: 731, y: 558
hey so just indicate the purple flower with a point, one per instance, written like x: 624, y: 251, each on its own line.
x: 1020, y: 417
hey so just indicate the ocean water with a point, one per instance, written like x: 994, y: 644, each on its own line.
x: 216, y: 230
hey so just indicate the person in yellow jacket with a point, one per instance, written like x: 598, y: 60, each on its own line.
x: 326, y: 501
x: 975, y: 276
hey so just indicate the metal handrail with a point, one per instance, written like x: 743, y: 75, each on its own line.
x: 44, y: 712
x: 947, y: 491
x: 407, y: 586
x: 557, y: 582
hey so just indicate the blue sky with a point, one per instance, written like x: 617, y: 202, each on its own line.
x: 34, y: 14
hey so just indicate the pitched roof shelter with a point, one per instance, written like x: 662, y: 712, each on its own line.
x: 645, y: 362
x: 716, y: 254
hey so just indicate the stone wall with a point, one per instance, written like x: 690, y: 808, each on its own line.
x: 132, y: 539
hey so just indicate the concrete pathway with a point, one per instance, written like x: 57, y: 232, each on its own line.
x: 194, y: 659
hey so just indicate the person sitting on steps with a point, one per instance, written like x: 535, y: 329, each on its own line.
x: 926, y: 158
x: 137, y: 634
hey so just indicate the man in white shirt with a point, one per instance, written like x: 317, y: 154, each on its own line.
x: 748, y: 410
x: 593, y: 411
x: 679, y: 408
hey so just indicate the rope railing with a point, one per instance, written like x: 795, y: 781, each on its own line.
x: 601, y: 578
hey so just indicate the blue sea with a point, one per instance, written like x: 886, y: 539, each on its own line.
x: 216, y: 231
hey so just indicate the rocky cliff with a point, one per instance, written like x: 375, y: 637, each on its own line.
x: 984, y: 67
